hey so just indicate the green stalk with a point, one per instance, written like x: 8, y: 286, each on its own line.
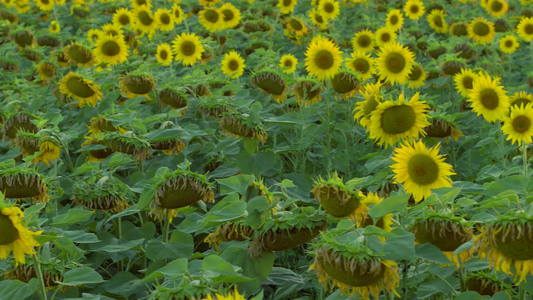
x: 166, y: 227
x: 521, y: 293
x: 524, y: 158
x: 37, y: 265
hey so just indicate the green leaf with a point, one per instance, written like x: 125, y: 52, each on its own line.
x: 124, y: 283
x: 73, y: 216
x: 110, y: 244
x: 501, y: 296
x: 81, y: 237
x: 221, y: 271
x: 181, y: 245
x: 173, y: 269
x: 79, y: 276
x: 432, y: 253
x: 389, y: 205
x: 14, y: 289
x: 229, y: 208
x: 235, y: 184
x: 287, y: 183
x: 469, y: 295
x: 146, y: 197
x: 401, y: 247
x: 250, y: 145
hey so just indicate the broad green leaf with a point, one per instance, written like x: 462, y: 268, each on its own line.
x: 81, y: 237
x: 124, y: 283
x: 181, y: 245
x: 501, y: 296
x: 469, y: 295
x: 229, y: 208
x: 429, y: 252
x: 173, y: 269
x: 73, y: 216
x: 235, y: 184
x: 250, y: 145
x: 401, y: 247
x: 79, y: 276
x: 14, y: 289
x: 221, y: 271
x: 389, y: 205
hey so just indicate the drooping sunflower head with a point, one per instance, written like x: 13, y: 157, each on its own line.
x: 214, y: 106
x: 345, y: 83
x: 137, y: 84
x: 46, y: 71
x: 451, y: 67
x: 363, y: 41
x: 323, y: 59
x: 168, y: 145
x: 49, y: 147
x: 234, y: 230
x: 394, y: 63
x: 173, y: 98
x: 519, y: 124
x: 337, y: 199
x: 307, y: 91
x: 239, y: 125
x: 97, y: 194
x: 480, y: 30
x: 76, y: 53
x: 464, y: 81
x: 421, y: 169
x: 485, y: 284
x: 364, y: 109
x: 50, y: 271
x: 23, y: 38
x: 271, y: 84
x: 442, y: 127
x: 489, y: 98
x: 32, y: 55
x: 21, y: 121
x: 27, y: 142
x: 15, y: 237
x: 19, y: 183
x: 84, y: 90
x: 126, y: 143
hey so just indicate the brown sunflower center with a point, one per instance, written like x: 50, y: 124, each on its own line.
x: 481, y: 29
x: 78, y: 87
x: 79, y: 54
x: 415, y: 74
x: 329, y: 8
x: 163, y: 54
x: 145, y: 18
x: 521, y: 124
x: 287, y: 63
x: 287, y: 2
x: 508, y: 43
x: 385, y: 37
x: 528, y: 29
x: 520, y: 101
x: 364, y: 41
x: 496, y: 6
x: 140, y: 2
x: 370, y: 106
x: 468, y: 82
x: 514, y: 241
x: 45, y: 2
x: 395, y: 62
x: 48, y: 69
x: 394, y: 20
x: 296, y: 25
x: 211, y: 15
x: 489, y: 99
x: 361, y: 65
x: 233, y: 65
x: 188, y: 48
x: 318, y: 18
x: 324, y: 59
x: 228, y: 15
x: 177, y: 13
x: 164, y: 19
x: 414, y: 9
x: 9, y: 232
x: 110, y: 48
x: 398, y: 119
x: 124, y: 19
x: 422, y: 169
x: 438, y: 21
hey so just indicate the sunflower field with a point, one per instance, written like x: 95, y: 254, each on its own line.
x: 266, y: 149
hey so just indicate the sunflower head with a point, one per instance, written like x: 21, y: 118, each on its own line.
x: 441, y: 128
x: 238, y: 125
x: 363, y: 41
x: 101, y: 194
x: 450, y: 67
x: 485, y: 284
x: 48, y: 41
x: 362, y: 64
x: 51, y: 274
x: 336, y: 198
x: 363, y: 110
x: 464, y: 51
x: 520, y: 99
x: 417, y: 77
x: 84, y: 90
x: 518, y: 125
x: 346, y: 83
x: 46, y: 71
x: 27, y: 142
x: 271, y: 83
x: 480, y: 30
x: 214, y: 107
x: 231, y: 231
x: 458, y: 29
x: 21, y: 121
x: 15, y: 237
x: 187, y: 49
x: 323, y: 59
x: 16, y: 182
x: 489, y: 98
x: 23, y: 38
x: 394, y: 63
x: 173, y: 98
x: 79, y: 54
x: 137, y: 84
x: 126, y: 143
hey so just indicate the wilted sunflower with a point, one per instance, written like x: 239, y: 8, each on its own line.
x: 384, y: 35
x: 328, y: 9
x: 417, y: 77
x: 363, y: 41
x: 509, y: 44
x: 231, y: 231
x: 19, y: 183
x: 481, y: 30
x: 485, y: 284
x: 144, y: 21
x: 187, y: 49
x: 520, y: 98
x: 137, y: 84
x: 441, y: 128
x: 458, y: 29
x: 236, y: 125
x: 178, y: 14
x: 173, y: 98
x: 323, y: 59
x: 436, y: 21
x: 394, y: 63
x: 286, y: 6
x: 164, y: 54
x: 394, y: 20
x: 489, y: 99
x: 364, y: 109
x: 233, y: 65
x: 506, y: 242
x: 519, y: 124
x: 18, y: 122
x: 317, y: 19
x: 127, y: 143
x: 164, y: 19
x: 288, y: 63
x: 123, y: 17
x: 525, y: 29
x: 362, y: 64
x: 211, y: 18
x: 307, y: 91
x: 271, y: 84
x: 421, y: 169
x: 464, y: 81
x: 84, y: 90
x: 111, y: 49
x: 49, y: 148
x: 46, y: 71
x: 76, y: 53
x: 231, y: 16
x: 497, y: 8
x: 345, y: 83
x: 109, y: 195
x: 15, y: 237
x: 414, y: 9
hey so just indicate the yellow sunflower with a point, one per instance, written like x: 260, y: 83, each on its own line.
x: 509, y: 44
x: 211, y: 18
x: 15, y: 237
x: 497, y: 8
x: 414, y: 9
x: 49, y: 149
x: 394, y: 63
x: 364, y: 109
x: 45, y: 5
x: 76, y: 53
x: 230, y: 296
x: 525, y: 29
x: 436, y: 21
x: 480, y: 30
x: 231, y: 16
x: 323, y: 59
x: 464, y: 81
x: 363, y: 41
x: 420, y: 169
x: 164, y: 54
x: 394, y: 20
x: 489, y: 99
x: 54, y: 27
x: 111, y: 49
x: 296, y: 27
x: 317, y: 19
x: 187, y: 49
x: 363, y: 220
x: 178, y: 14
x: 164, y: 19
x: 233, y: 64
x: 112, y: 29
x: 417, y: 77
x: 286, y: 6
x: 93, y: 35
x: 208, y: 3
x: 123, y: 17
x: 84, y: 90
x: 520, y: 98
x: 384, y: 35
x: 288, y: 63
x: 46, y: 71
x: 144, y: 21
x: 518, y: 125
x: 362, y: 64
x: 392, y: 121
x: 328, y: 9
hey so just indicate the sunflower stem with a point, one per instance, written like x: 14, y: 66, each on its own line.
x: 461, y: 277
x: 524, y: 158
x: 404, y: 279
x: 521, y: 293
x: 39, y: 273
x: 166, y: 228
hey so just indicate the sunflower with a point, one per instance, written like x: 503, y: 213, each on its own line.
x: 361, y: 63
x: 45, y: 5
x: 49, y: 148
x: 480, y: 30
x: 485, y: 284
x: 164, y: 54
x: 286, y: 6
x: 520, y: 98
x: 123, y: 17
x: 414, y: 9
x: 394, y: 20
x: 307, y: 91
x: 497, y: 8
x: 208, y: 3
x: 505, y: 242
x: 328, y: 9
x: 164, y: 19
x: 111, y: 49
x: 464, y: 81
x: 112, y: 29
x: 137, y: 84
x: 458, y: 29
x: 363, y: 41
x: 364, y: 109
x: 365, y: 220
x: 178, y: 14
x: 84, y: 90
x: 436, y: 21
x: 489, y: 99
x: 518, y: 125
x: 323, y: 59
x: 317, y: 19
x: 144, y: 21
x: 271, y: 84
x: 421, y: 169
x: 93, y: 35
x: 211, y: 18
x: 234, y: 124
x: 417, y: 77
x: 525, y: 29
x: 384, y: 35
x: 231, y: 16
x: 187, y: 49
x: 76, y: 53
x: 392, y: 121
x: 233, y: 64
x: 288, y: 63
x: 509, y: 44
x: 296, y: 27
x: 15, y: 237
x: 54, y: 27
x: 46, y: 71
x: 230, y: 296
x: 394, y: 63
